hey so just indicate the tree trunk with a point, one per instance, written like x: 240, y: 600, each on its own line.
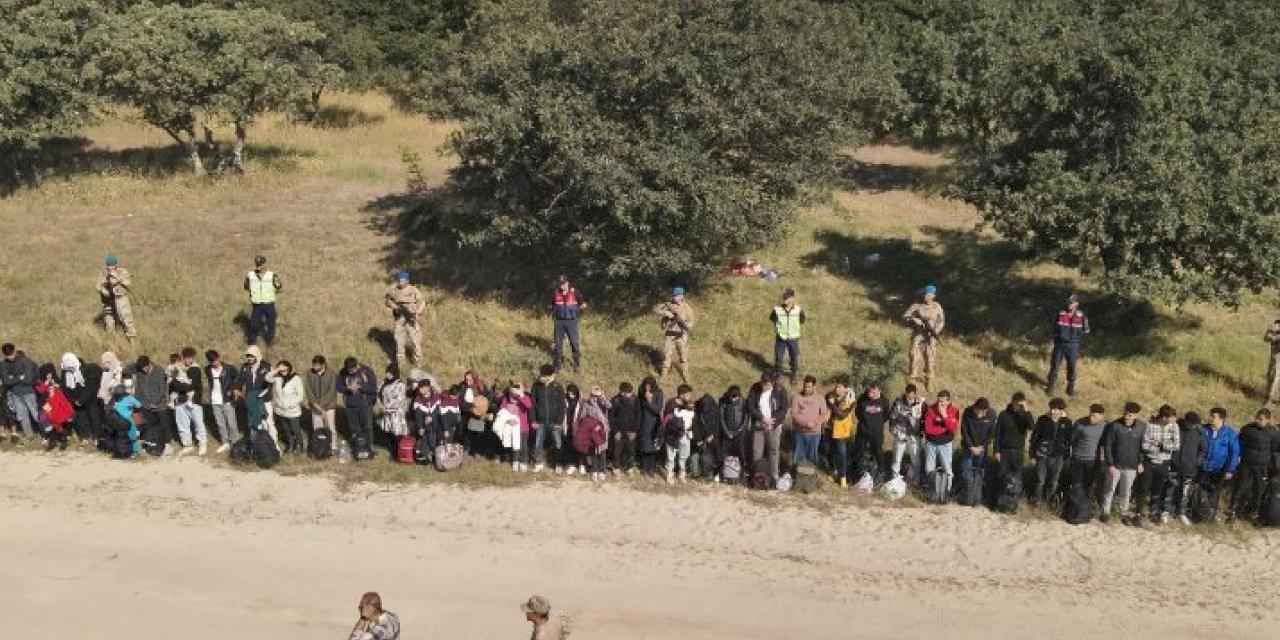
x: 193, y: 152
x: 237, y: 150
x: 315, y: 104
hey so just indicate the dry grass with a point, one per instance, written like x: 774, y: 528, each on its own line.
x: 306, y: 205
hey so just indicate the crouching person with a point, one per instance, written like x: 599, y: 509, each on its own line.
x: 374, y: 623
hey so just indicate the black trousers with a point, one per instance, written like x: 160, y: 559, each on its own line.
x: 1010, y: 463
x: 1154, y: 489
x: 1085, y: 474
x: 624, y: 450
x: 1251, y: 486
x: 1069, y: 351
x: 89, y: 419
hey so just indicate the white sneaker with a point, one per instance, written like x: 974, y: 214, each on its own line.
x: 1184, y: 520
x: 670, y: 477
x: 524, y: 468
x: 515, y: 466
x: 202, y: 449
x: 224, y: 448
x: 186, y: 451
x: 568, y: 470
x: 684, y: 477
x: 717, y: 478
x: 537, y: 468
x: 581, y: 469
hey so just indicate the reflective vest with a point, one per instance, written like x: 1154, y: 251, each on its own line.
x: 262, y: 290
x: 566, y: 304
x: 788, y: 322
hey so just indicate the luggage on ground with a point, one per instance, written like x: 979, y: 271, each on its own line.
x: 242, y: 451
x: 895, y: 488
x: 361, y: 447
x: 265, y: 452
x: 939, y: 487
x: 449, y: 456
x: 1010, y: 493
x: 974, y: 481
x: 806, y: 478
x: 731, y: 469
x: 320, y: 445
x: 1076, y: 508
x: 404, y: 449
x: 865, y: 484
x: 1269, y: 513
x: 760, y: 478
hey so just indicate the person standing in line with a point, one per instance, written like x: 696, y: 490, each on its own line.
x: 768, y: 406
x: 872, y: 412
x: 1050, y: 448
x: 374, y: 623
x: 545, y: 626
x: 652, y: 403
x: 1086, y: 445
x: 287, y: 396
x: 735, y: 421
x: 1012, y: 427
x: 841, y: 406
x: 977, y: 428
x: 359, y: 388
x: 548, y: 413
x: 927, y: 320
x: 624, y: 418
x: 219, y: 395
x: 809, y: 414
x: 322, y: 400
x: 787, y: 319
x: 255, y: 390
x: 1070, y: 326
x: 1221, y: 458
x: 1122, y: 453
x: 905, y: 419
x: 1186, y: 464
x: 1257, y: 442
x: 678, y: 433
x: 18, y: 375
x: 1158, y: 448
x: 406, y: 305
x: 676, y: 318
x: 1272, y: 337
x: 115, y: 290
x: 262, y: 285
x: 941, y: 421
x: 187, y: 410
x: 567, y: 306
x: 81, y: 383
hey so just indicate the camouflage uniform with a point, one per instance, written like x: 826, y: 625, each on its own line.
x: 114, y: 291
x: 927, y: 321
x: 1273, y: 370
x: 406, y: 305
x: 675, y: 337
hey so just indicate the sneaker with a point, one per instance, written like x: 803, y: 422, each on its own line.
x: 537, y: 468
x: 581, y: 469
x: 569, y: 471
x: 684, y: 477
x: 716, y: 479
x: 1104, y: 518
x: 844, y: 483
x: 557, y: 470
x: 186, y: 451
x: 202, y: 449
x: 524, y: 467
x: 515, y: 466
x: 224, y: 448
x: 631, y: 471
x: 1184, y: 520
x: 1165, y: 518
x: 670, y: 477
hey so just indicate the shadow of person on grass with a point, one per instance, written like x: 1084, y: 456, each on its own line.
x: 1206, y: 370
x: 647, y: 354
x: 755, y: 359
x: 385, y: 339
x: 541, y: 344
x: 988, y: 306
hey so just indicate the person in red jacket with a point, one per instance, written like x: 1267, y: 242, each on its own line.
x: 55, y: 414
x: 941, y: 421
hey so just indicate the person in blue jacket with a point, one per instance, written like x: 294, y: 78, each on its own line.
x: 1222, y: 454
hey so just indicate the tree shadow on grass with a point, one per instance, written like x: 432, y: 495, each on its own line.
x: 1206, y: 370
x: 754, y: 359
x: 71, y: 157
x: 877, y: 177
x: 385, y: 339
x: 541, y: 344
x: 647, y: 354
x: 335, y: 116
x: 987, y: 306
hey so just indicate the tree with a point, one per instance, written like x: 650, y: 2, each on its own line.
x: 647, y: 141
x: 41, y: 90
x: 186, y: 68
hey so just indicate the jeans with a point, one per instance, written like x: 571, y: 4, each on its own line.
x: 1069, y: 351
x: 1182, y: 488
x: 678, y: 457
x: 1119, y: 483
x: 912, y: 447
x: 293, y: 433
x: 789, y: 348
x: 188, y: 415
x: 805, y: 447
x: 969, y: 462
x: 544, y: 435
x: 360, y: 420
x: 24, y: 408
x: 262, y: 320
x: 840, y: 458
x: 566, y: 329
x: 938, y: 453
x: 765, y: 446
x: 224, y: 416
x: 326, y: 419
x: 1152, y: 489
x: 1048, y: 473
x: 624, y: 450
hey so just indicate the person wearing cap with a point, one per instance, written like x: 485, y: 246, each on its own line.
x: 567, y: 306
x: 926, y: 320
x: 406, y: 305
x: 255, y: 390
x: 537, y: 610
x: 787, y: 319
x: 114, y: 290
x: 262, y: 285
x: 676, y: 318
x: 1272, y: 338
x: 1069, y: 327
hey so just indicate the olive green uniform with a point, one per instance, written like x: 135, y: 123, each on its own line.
x: 113, y: 288
x: 406, y: 305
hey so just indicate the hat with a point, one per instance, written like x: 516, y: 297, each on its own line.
x: 788, y: 293
x: 677, y: 291
x: 112, y: 261
x: 538, y: 605
x: 258, y: 261
x: 930, y: 288
x: 402, y: 275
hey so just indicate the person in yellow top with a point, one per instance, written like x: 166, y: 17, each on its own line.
x: 262, y: 285
x: 406, y: 305
x: 115, y: 290
x: 926, y: 320
x: 676, y: 318
x: 844, y: 425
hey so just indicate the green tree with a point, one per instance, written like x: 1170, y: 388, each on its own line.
x: 42, y: 93
x: 648, y: 141
x: 186, y: 68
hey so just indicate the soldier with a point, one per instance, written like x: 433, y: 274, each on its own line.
x: 566, y: 306
x: 1069, y: 327
x: 114, y: 289
x: 926, y: 320
x: 676, y: 318
x: 787, y: 320
x: 262, y: 285
x: 405, y: 303
x: 1273, y: 369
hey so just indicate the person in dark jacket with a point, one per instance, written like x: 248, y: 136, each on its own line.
x: 1070, y: 326
x: 564, y: 458
x: 1050, y: 448
x: 548, y: 414
x: 18, y: 377
x: 872, y: 412
x: 624, y: 421
x: 80, y: 383
x: 768, y: 405
x: 652, y: 402
x: 151, y: 388
x: 255, y: 390
x: 1256, y: 448
x: 706, y: 436
x: 1012, y: 427
x: 1086, y: 447
x: 567, y: 306
x: 735, y: 421
x: 359, y: 389
x: 220, y: 396
x: 1122, y: 454
x: 1186, y: 463
x: 977, y: 426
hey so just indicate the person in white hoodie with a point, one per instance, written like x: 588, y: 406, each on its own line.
x: 288, y: 395
x: 904, y: 421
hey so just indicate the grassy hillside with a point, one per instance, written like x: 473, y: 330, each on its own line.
x: 324, y: 205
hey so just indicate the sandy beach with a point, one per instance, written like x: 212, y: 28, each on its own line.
x: 94, y: 548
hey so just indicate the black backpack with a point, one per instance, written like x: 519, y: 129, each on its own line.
x: 974, y: 481
x: 361, y: 447
x: 1204, y: 503
x: 320, y: 445
x: 1076, y: 509
x: 242, y: 451
x: 1269, y: 515
x: 1010, y: 493
x: 265, y: 453
x: 760, y: 478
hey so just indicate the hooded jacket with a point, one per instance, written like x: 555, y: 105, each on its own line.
x: 650, y: 421
x: 940, y: 426
x: 151, y: 389
x: 975, y: 430
x: 1191, y: 450
x: 1256, y: 445
x: 809, y: 413
x: 624, y: 414
x: 288, y: 394
x: 706, y: 419
x: 1011, y: 429
x: 1051, y: 438
x: 734, y: 418
x: 844, y: 423
x: 873, y: 415
x: 548, y: 403
x: 1222, y: 450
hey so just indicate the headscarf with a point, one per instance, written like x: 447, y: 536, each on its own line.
x: 112, y: 375
x: 72, y: 378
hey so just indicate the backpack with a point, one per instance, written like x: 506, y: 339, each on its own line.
x: 894, y: 489
x: 320, y: 445
x: 265, y: 453
x: 865, y: 485
x: 1204, y: 503
x: 806, y: 478
x: 974, y: 481
x: 404, y: 449
x: 731, y: 469
x: 760, y: 478
x: 938, y: 490
x: 1076, y: 509
x: 1269, y: 514
x: 583, y: 434
x: 672, y: 429
x: 242, y: 451
x: 1010, y: 493
x: 449, y: 456
x: 361, y: 448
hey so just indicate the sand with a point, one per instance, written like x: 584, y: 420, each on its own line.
x: 93, y: 548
